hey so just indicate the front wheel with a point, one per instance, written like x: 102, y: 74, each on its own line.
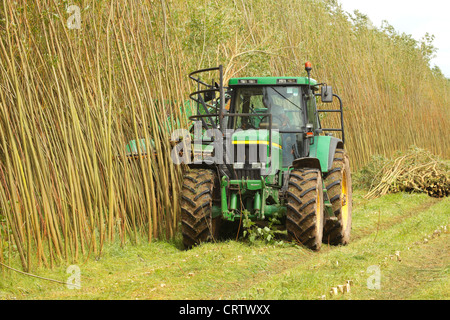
x: 196, y: 208
x: 339, y: 187
x: 305, y: 218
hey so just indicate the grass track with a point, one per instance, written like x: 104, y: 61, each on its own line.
x: 236, y: 270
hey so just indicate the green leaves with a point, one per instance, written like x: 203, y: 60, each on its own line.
x: 253, y: 232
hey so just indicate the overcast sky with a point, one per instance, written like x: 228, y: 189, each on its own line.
x: 414, y: 17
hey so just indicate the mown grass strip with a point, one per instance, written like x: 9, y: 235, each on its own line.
x: 334, y: 267
x: 237, y: 270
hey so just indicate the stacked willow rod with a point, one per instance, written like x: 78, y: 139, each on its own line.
x: 415, y: 171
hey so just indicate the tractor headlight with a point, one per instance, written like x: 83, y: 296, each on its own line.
x: 248, y: 81
x: 286, y: 81
x: 257, y: 165
x: 238, y: 165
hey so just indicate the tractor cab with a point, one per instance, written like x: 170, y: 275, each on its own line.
x: 276, y: 104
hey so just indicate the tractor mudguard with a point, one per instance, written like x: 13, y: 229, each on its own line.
x: 323, y: 149
x: 306, y: 163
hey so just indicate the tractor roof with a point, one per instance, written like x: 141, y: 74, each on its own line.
x: 271, y: 81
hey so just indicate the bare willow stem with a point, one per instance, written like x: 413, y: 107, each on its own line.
x: 35, y: 276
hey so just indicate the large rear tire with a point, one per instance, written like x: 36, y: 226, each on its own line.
x: 339, y: 188
x: 197, y: 225
x: 305, y: 218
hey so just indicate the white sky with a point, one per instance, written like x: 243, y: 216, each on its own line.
x: 414, y: 17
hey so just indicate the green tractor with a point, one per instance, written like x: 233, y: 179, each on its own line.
x: 260, y: 152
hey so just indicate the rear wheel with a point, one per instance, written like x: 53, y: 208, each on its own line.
x: 196, y: 208
x: 305, y: 219
x: 339, y: 187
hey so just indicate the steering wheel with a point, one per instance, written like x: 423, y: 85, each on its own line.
x: 248, y: 125
x: 279, y: 118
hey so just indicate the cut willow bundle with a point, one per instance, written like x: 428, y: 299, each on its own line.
x: 415, y: 171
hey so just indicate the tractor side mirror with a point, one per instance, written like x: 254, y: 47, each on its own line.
x: 326, y: 93
x: 208, y: 96
x: 211, y: 95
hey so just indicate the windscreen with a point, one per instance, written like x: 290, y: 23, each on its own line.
x: 284, y: 103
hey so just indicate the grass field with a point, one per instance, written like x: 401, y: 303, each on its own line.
x: 404, y: 235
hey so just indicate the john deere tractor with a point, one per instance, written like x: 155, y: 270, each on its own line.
x: 260, y: 152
